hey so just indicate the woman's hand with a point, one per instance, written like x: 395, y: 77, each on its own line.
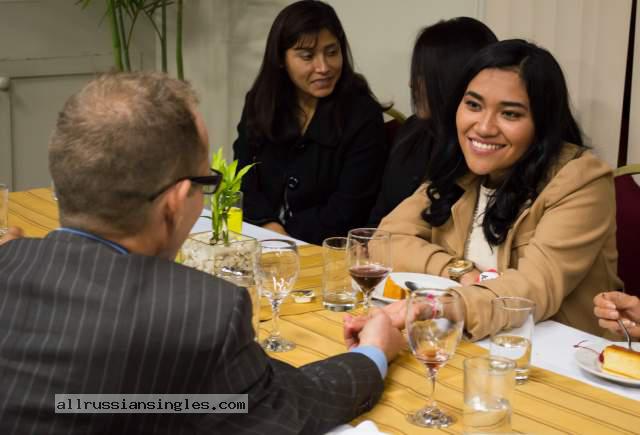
x: 277, y: 227
x: 611, y: 306
x: 470, y: 278
x: 12, y: 234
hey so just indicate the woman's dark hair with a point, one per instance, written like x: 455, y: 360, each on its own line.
x: 439, y: 56
x: 553, y: 123
x: 272, y: 109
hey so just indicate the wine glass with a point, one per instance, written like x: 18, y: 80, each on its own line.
x: 434, y: 324
x: 369, y: 255
x: 278, y: 269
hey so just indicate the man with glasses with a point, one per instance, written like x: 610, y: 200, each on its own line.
x: 99, y: 305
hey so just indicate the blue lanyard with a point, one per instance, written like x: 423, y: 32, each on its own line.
x: 117, y: 247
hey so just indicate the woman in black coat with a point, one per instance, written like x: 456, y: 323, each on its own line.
x: 439, y: 55
x: 314, y: 129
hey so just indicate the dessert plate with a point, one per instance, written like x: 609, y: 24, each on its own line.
x: 421, y: 279
x: 588, y: 361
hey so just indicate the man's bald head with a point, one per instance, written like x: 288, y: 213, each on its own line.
x: 117, y: 141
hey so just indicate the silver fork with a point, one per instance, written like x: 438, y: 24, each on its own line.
x: 626, y: 333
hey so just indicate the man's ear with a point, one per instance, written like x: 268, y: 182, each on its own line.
x: 174, y: 203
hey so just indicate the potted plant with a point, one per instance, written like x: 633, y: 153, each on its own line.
x: 222, y: 252
x: 123, y: 16
x: 223, y: 202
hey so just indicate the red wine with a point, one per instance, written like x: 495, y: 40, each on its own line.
x: 368, y: 276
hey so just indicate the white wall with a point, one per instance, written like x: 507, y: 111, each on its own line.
x: 382, y: 33
x: 633, y: 155
x: 589, y: 40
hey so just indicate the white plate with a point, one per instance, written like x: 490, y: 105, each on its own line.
x: 421, y: 279
x: 588, y: 361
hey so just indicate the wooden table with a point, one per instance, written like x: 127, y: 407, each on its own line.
x: 548, y: 404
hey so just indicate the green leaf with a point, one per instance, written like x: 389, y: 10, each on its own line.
x: 217, y: 162
x: 243, y: 171
x: 231, y: 171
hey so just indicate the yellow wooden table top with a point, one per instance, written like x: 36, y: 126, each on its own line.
x: 548, y: 404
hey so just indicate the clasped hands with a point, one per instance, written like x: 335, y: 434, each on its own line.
x: 381, y: 328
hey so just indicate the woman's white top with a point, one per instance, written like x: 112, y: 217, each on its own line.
x: 478, y: 249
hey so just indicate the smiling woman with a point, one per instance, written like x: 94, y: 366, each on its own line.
x: 314, y: 128
x: 512, y: 188
x: 495, y: 124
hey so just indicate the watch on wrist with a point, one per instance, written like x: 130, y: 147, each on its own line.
x: 458, y: 267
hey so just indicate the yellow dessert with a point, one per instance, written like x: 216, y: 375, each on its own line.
x: 621, y: 361
x: 393, y: 290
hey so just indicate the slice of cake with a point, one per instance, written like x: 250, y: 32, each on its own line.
x: 621, y: 361
x: 393, y: 290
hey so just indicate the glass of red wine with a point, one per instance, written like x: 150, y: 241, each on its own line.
x: 434, y: 322
x: 369, y: 255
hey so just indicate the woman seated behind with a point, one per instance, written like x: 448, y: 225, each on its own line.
x: 513, y: 189
x: 314, y: 128
x: 439, y: 55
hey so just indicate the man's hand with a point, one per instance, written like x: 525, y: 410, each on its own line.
x: 12, y: 234
x: 611, y: 306
x: 378, y: 331
x: 275, y: 226
x: 353, y: 325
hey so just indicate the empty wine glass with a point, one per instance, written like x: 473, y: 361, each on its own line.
x: 369, y: 255
x: 434, y: 322
x: 278, y: 270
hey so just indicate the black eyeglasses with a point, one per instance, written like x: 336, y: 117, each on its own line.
x: 209, y: 183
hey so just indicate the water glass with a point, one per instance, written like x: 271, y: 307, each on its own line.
x: 278, y: 270
x: 489, y: 383
x: 4, y: 209
x: 513, y: 340
x: 337, y: 292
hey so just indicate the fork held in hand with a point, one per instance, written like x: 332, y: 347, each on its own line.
x: 626, y: 333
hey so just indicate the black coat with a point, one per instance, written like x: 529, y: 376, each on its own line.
x: 406, y: 167
x: 78, y: 317
x: 326, y: 181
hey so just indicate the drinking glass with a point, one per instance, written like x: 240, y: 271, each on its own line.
x: 338, y: 293
x: 434, y: 322
x: 489, y: 383
x: 369, y: 256
x: 234, y: 218
x: 278, y: 269
x: 54, y: 195
x: 513, y: 340
x: 4, y: 209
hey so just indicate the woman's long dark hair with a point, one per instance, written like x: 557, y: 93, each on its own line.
x: 553, y: 122
x: 272, y: 109
x: 439, y: 55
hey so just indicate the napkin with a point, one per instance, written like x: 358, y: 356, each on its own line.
x: 367, y: 427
